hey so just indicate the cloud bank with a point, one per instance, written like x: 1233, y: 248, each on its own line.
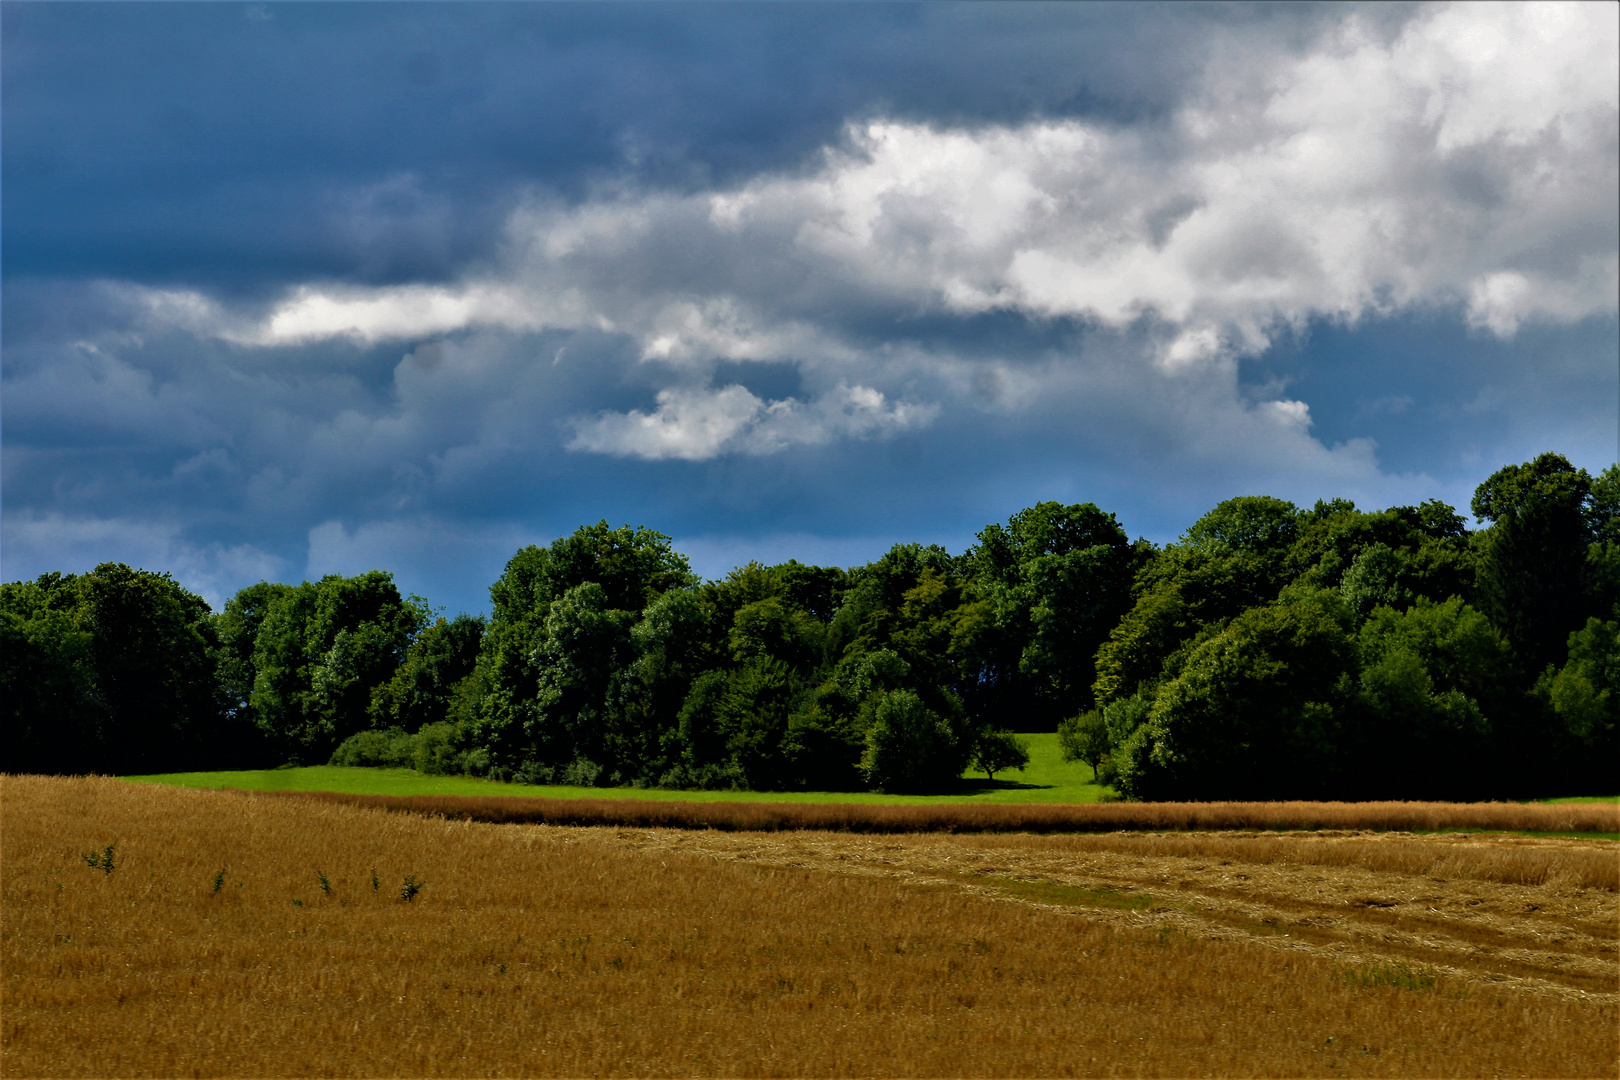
x: 937, y: 315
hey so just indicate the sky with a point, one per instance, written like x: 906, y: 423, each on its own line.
x: 290, y: 289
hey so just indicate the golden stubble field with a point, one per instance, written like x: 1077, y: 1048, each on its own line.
x: 544, y: 950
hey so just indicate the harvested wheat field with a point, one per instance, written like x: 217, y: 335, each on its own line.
x: 241, y: 935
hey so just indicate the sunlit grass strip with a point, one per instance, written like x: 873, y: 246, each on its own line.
x: 1048, y: 779
x: 1596, y: 818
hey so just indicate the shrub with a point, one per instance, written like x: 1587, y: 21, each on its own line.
x: 389, y: 748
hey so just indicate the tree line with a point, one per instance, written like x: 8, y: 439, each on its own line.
x: 1271, y: 651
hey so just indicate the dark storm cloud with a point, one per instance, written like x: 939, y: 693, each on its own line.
x: 304, y: 288
x: 386, y: 142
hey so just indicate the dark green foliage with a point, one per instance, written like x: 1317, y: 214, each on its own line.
x: 100, y: 860
x: 114, y: 669
x: 389, y: 749
x: 424, y: 685
x: 753, y: 719
x: 1269, y: 652
x: 1532, y: 560
x: 909, y: 747
x: 1583, y: 698
x: 997, y: 751
x: 1055, y: 580
x: 555, y: 686
x: 238, y: 629
x: 54, y: 713
x: 323, y: 648
x: 1433, y: 679
x: 1256, y: 711
x: 1233, y: 558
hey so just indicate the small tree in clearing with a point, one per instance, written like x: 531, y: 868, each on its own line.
x: 1085, y: 738
x: 999, y: 750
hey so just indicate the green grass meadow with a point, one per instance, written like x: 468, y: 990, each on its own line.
x: 1048, y: 779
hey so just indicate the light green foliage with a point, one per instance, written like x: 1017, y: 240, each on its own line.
x: 1086, y: 738
x: 1047, y: 779
x: 1584, y: 697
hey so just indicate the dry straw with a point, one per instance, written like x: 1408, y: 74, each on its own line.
x: 561, y: 952
x: 992, y: 818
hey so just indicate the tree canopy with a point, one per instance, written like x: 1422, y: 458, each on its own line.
x: 1271, y: 651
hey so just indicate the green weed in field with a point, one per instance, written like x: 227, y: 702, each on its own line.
x: 99, y: 860
x: 1397, y: 975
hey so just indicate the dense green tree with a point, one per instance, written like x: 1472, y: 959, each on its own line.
x: 1435, y: 686
x: 1056, y: 579
x: 1583, y: 697
x: 587, y: 648
x: 1602, y: 570
x: 874, y: 601
x: 321, y: 650
x: 909, y: 747
x: 154, y: 648
x: 1429, y: 541
x: 1256, y: 710
x: 1233, y: 558
x: 424, y: 685
x: 526, y: 713
x: 237, y: 628
x: 54, y: 712
x: 112, y: 670
x: 1533, y: 558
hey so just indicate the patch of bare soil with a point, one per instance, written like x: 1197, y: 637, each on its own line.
x: 1556, y: 937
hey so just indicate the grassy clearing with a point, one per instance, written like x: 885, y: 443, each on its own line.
x: 1048, y: 779
x: 561, y: 952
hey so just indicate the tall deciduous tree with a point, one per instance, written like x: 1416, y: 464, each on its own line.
x: 1057, y: 579
x: 321, y: 650
x: 1532, y: 560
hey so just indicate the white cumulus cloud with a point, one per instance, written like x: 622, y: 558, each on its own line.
x: 697, y: 424
x: 1467, y: 162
